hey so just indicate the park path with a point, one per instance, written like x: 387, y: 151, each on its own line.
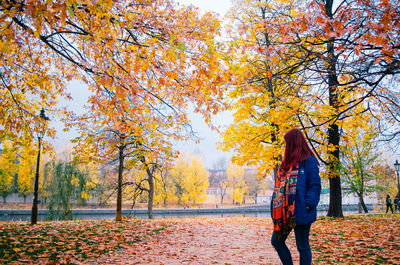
x: 235, y: 240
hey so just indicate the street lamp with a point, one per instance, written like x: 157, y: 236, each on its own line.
x: 35, y: 193
x: 397, y: 169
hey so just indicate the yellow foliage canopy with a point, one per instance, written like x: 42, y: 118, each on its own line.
x: 190, y: 179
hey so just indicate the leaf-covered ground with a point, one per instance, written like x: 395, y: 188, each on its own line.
x: 359, y: 239
x: 72, y: 242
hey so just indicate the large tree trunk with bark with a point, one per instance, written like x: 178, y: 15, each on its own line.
x: 335, y: 188
x: 118, y: 218
x: 335, y: 195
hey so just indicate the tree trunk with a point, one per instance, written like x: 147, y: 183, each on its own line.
x: 335, y: 195
x: 362, y: 203
x: 151, y: 195
x: 150, y: 176
x: 24, y: 198
x: 36, y: 188
x: 362, y: 195
x: 4, y: 199
x: 335, y: 198
x: 66, y: 213
x: 222, y: 193
x: 118, y: 218
x: 166, y: 195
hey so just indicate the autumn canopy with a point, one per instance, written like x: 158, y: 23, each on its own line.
x: 321, y: 66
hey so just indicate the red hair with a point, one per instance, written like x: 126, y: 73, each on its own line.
x: 296, y: 149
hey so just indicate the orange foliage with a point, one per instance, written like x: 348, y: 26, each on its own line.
x: 283, y: 74
x: 151, y: 53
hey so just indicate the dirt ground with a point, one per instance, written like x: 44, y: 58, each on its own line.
x: 233, y: 240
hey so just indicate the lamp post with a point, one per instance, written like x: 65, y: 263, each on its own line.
x: 397, y: 169
x: 35, y: 192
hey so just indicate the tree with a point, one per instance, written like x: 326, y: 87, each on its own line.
x: 32, y: 76
x: 179, y: 172
x: 141, y: 57
x: 60, y: 198
x: 261, y: 100
x: 150, y: 166
x: 69, y: 184
x: 86, y: 182
x: 127, y: 144
x: 386, y: 181
x: 165, y: 188
x: 105, y: 145
x: 26, y: 173
x: 254, y: 183
x: 146, y: 68
x: 46, y: 170
x: 103, y: 186
x: 235, y: 180
x: 153, y: 178
x: 196, y: 183
x: 359, y: 157
x: 218, y: 177
x: 114, y: 47
x: 300, y: 61
x: 8, y: 168
x: 190, y: 179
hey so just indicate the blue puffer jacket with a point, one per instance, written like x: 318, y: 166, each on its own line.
x: 308, y: 190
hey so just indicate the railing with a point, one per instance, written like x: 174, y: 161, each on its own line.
x: 264, y: 208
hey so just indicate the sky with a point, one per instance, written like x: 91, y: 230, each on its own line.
x: 208, y: 138
x: 206, y: 148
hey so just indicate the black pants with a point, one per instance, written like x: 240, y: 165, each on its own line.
x: 389, y: 205
x: 302, y: 234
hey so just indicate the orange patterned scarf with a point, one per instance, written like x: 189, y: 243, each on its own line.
x: 283, y: 201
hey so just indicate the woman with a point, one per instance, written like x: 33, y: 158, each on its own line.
x: 296, y: 196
